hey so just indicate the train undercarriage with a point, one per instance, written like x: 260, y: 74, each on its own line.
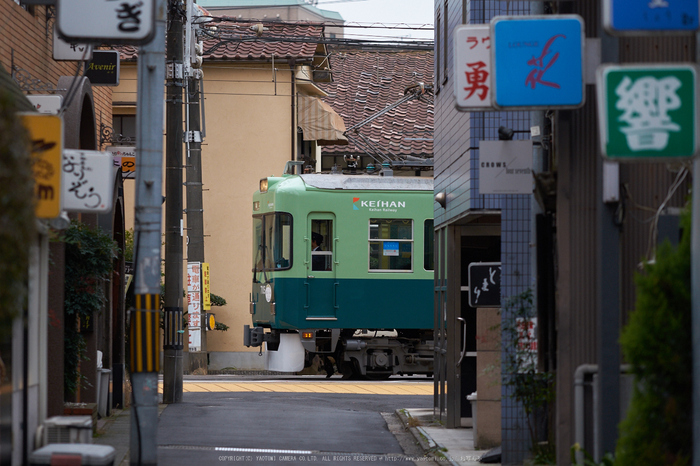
x: 371, y: 354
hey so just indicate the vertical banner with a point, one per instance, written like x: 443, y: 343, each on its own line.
x: 194, y: 309
x: 206, y: 290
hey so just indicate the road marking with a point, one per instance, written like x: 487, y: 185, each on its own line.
x: 378, y: 388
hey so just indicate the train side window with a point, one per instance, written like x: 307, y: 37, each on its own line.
x: 272, y: 242
x: 390, y: 245
x: 428, y: 242
x: 321, y: 245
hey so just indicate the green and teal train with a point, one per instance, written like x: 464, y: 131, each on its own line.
x: 343, y: 269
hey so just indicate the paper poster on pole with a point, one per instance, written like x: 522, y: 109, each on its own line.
x: 194, y: 309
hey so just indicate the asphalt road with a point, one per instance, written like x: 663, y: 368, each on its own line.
x: 314, y: 424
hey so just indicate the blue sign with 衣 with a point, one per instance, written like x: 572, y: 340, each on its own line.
x: 537, y: 61
x: 635, y: 16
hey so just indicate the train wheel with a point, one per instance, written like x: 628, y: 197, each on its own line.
x: 350, y: 370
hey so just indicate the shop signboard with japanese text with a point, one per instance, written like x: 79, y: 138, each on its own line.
x: 537, y: 62
x: 645, y: 17
x: 124, y: 157
x: 88, y: 181
x: 472, y: 56
x: 648, y: 112
x: 485, y: 284
x: 46, y: 138
x: 97, y: 21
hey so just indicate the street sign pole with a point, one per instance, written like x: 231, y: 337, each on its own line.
x: 144, y: 328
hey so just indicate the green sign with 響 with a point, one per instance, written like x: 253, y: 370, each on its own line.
x: 648, y: 112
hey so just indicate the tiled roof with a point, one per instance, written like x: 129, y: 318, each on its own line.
x: 365, y: 82
x: 236, y: 41
x: 284, y: 40
x: 233, y: 4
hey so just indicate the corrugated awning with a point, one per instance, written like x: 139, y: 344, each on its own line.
x: 320, y: 123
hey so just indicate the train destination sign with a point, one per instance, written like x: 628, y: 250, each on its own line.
x: 472, y: 56
x: 644, y: 17
x: 485, y: 284
x: 537, y: 62
x: 648, y: 112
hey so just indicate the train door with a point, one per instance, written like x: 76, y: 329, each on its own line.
x: 321, y: 284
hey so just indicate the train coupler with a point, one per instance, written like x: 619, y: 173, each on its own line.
x: 256, y: 336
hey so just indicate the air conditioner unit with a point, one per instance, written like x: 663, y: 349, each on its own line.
x: 67, y: 429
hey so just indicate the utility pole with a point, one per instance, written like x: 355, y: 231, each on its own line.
x: 173, y: 347
x: 194, y: 135
x: 195, y: 211
x: 144, y: 328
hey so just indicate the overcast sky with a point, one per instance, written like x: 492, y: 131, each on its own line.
x: 414, y: 13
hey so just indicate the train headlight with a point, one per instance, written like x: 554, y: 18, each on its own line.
x: 263, y: 185
x: 307, y: 335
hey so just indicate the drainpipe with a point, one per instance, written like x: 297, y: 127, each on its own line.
x: 292, y: 64
x: 579, y: 408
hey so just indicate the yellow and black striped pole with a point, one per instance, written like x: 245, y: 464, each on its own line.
x: 145, y: 334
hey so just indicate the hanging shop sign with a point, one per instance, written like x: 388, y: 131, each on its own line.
x: 88, y: 181
x: 107, y: 21
x: 537, y: 62
x: 648, y: 112
x: 472, y: 57
x: 647, y: 17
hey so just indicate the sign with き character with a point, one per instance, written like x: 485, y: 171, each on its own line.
x: 108, y: 21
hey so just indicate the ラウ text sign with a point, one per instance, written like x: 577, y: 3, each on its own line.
x: 472, y: 55
x: 648, y: 112
x: 537, y: 62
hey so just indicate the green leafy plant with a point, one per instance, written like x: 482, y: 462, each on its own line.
x: 129, y: 245
x: 89, y: 255
x: 532, y: 389
x: 17, y: 220
x: 607, y: 460
x: 657, y: 344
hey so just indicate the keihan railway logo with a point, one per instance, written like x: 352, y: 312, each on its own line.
x: 378, y: 206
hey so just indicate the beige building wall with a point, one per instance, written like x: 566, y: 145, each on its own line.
x: 249, y: 136
x: 488, y: 378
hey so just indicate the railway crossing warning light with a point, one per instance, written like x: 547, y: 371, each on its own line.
x: 209, y: 321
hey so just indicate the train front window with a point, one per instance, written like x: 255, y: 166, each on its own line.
x: 272, y: 242
x: 390, y: 245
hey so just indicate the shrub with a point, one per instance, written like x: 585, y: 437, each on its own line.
x: 657, y: 343
x: 89, y: 256
x: 17, y: 221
